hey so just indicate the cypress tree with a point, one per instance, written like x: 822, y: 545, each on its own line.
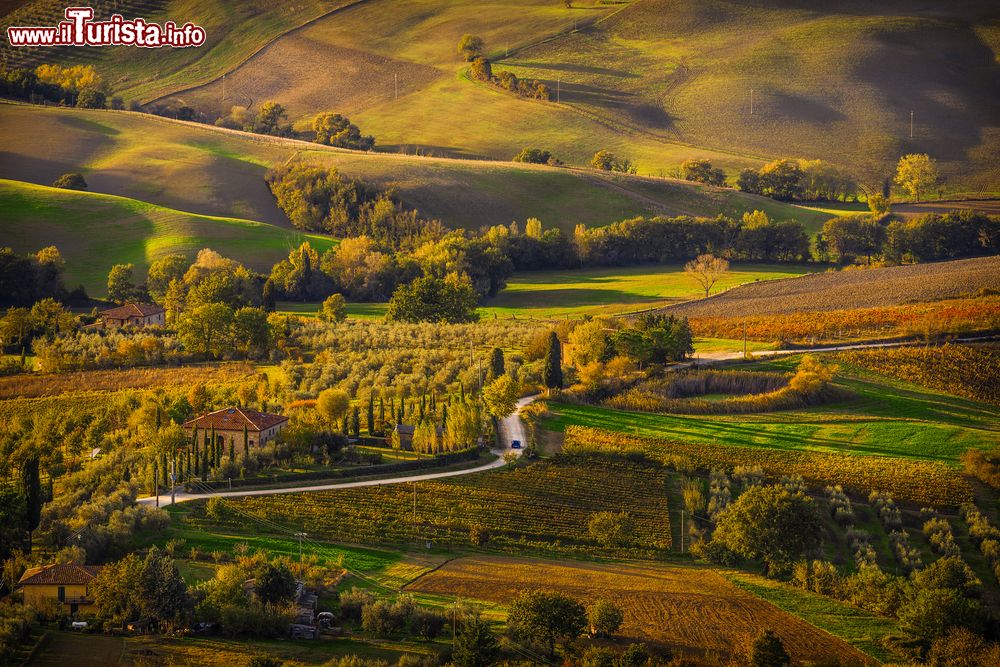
x: 159, y: 419
x: 371, y: 414
x: 381, y: 413
x: 197, y: 460
x: 232, y: 453
x: 213, y: 451
x: 461, y: 387
x: 156, y: 473
x: 164, y: 474
x: 444, y: 416
x: 553, y: 363
x: 246, y: 444
x: 496, y: 364
x: 356, y: 422
x: 31, y: 487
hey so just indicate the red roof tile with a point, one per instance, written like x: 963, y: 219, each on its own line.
x: 233, y: 419
x: 133, y: 310
x: 60, y: 574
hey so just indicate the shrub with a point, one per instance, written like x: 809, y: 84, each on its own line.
x: 70, y: 181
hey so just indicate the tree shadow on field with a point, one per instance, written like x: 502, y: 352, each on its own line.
x: 579, y: 69
x: 568, y: 297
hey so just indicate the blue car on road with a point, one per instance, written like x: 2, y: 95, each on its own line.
x: 515, y: 444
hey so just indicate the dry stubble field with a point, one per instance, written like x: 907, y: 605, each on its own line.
x: 858, y: 288
x: 687, y: 608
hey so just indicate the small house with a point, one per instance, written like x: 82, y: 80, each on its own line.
x: 65, y: 584
x: 137, y: 315
x: 229, y: 423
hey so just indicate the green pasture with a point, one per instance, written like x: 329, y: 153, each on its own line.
x: 95, y: 231
x: 885, y: 417
x: 607, y: 291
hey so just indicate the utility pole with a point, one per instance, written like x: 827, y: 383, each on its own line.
x: 223, y: 87
x: 395, y: 86
x: 173, y: 481
x: 454, y: 624
x: 682, y: 531
x: 751, y: 101
x: 414, y: 511
x: 558, y: 85
x: 911, y: 124
x: 156, y: 483
x: 300, y: 536
x: 744, y: 339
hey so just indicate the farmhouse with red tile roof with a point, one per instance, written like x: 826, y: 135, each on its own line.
x: 135, y: 315
x: 63, y: 583
x: 229, y: 423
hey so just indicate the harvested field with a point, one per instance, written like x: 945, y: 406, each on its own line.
x: 862, y: 288
x: 286, y: 71
x: 690, y: 609
x: 35, y: 386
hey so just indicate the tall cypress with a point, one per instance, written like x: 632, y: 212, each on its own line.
x: 232, y: 452
x: 496, y: 363
x: 461, y: 387
x: 164, y: 474
x: 381, y: 413
x: 197, y: 460
x: 213, y: 452
x: 444, y: 416
x: 246, y: 444
x: 371, y: 413
x: 31, y: 487
x: 553, y: 363
x: 356, y: 422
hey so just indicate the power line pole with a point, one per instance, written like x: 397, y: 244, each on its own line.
x: 173, y: 481
x: 911, y: 124
x: 223, y: 87
x: 414, y: 511
x: 682, y: 531
x: 744, y: 339
x: 751, y: 101
x: 558, y: 85
x: 395, y: 86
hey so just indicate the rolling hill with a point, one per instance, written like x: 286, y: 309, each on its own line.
x: 216, y: 172
x: 95, y: 231
x: 658, y: 81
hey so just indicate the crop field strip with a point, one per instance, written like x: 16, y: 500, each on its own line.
x: 880, y: 416
x: 687, y: 608
x: 950, y: 316
x: 861, y: 288
x: 911, y: 481
x: 542, y: 507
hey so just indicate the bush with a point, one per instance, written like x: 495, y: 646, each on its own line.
x: 536, y: 156
x: 71, y: 181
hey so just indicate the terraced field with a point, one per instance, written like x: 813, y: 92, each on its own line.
x: 686, y: 608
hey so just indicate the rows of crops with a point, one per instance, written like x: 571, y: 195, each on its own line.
x: 545, y: 507
x: 693, y: 609
x: 863, y: 288
x: 963, y: 370
x: 951, y: 316
x: 922, y: 482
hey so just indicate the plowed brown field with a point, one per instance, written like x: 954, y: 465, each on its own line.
x: 690, y: 609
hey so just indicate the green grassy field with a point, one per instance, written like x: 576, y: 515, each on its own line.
x: 95, y: 231
x: 861, y: 630
x: 205, y: 170
x: 557, y: 294
x: 886, y: 418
